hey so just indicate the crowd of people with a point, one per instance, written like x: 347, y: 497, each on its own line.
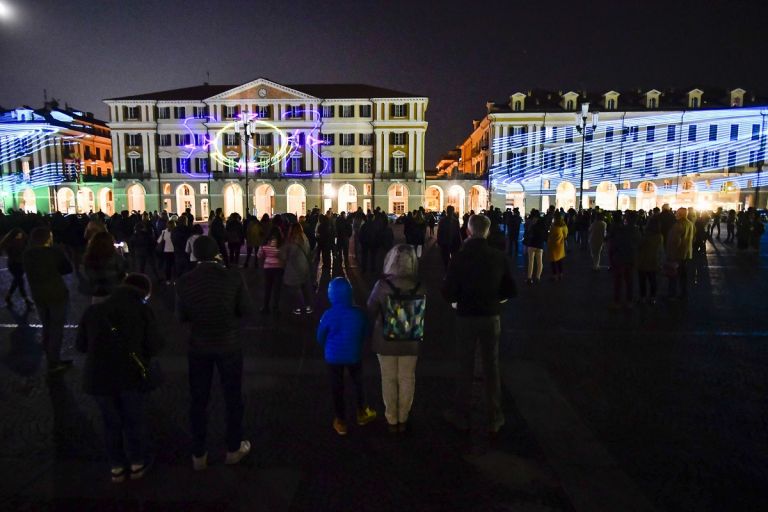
x: 111, y: 257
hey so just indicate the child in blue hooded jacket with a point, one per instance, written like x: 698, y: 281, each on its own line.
x: 342, y: 330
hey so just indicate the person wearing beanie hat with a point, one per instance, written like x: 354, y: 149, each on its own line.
x: 213, y: 300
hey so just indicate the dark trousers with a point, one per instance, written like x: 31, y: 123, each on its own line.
x: 730, y: 232
x: 301, y: 295
x: 140, y: 260
x: 622, y: 277
x: 230, y: 367
x: 557, y: 267
x: 17, y: 281
x: 234, y: 252
x: 343, y: 245
x: 325, y: 253
x: 512, y: 245
x: 368, y: 259
x: 336, y: 374
x: 478, y: 332
x: 125, y: 427
x: 680, y: 280
x: 445, y: 254
x: 248, y: 251
x: 647, y: 279
x: 273, y: 280
x: 170, y: 262
x: 181, y: 261
x: 52, y: 316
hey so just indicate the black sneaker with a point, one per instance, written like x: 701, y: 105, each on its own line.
x: 139, y: 472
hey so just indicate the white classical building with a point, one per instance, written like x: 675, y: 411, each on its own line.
x: 335, y: 146
x: 635, y: 149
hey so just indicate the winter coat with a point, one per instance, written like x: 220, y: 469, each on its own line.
x: 271, y: 255
x: 166, y: 241
x: 623, y: 244
x: 108, y: 368
x: 297, y: 259
x: 556, y: 241
x: 105, y: 277
x: 448, y: 233
x: 679, y: 244
x: 234, y: 232
x: 343, y: 326
x: 254, y: 234
x: 213, y: 299
x: 650, y: 252
x: 44, y: 267
x: 597, y: 233
x: 375, y: 305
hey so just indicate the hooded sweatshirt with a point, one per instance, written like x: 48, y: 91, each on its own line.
x: 343, y: 326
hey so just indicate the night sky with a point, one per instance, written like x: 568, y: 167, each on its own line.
x: 460, y: 55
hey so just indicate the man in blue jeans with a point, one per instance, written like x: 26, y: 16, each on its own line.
x: 213, y: 300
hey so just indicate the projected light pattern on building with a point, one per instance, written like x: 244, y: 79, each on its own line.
x: 650, y: 146
x: 291, y: 143
x: 22, y: 140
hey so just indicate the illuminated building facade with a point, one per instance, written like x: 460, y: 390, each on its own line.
x: 55, y: 159
x: 639, y: 150
x: 335, y: 146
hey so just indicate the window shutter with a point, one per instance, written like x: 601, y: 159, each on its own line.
x: 406, y: 109
x: 392, y: 137
x: 391, y: 164
x: 405, y: 137
x: 391, y: 110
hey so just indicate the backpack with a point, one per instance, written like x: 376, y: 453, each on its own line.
x: 403, y: 314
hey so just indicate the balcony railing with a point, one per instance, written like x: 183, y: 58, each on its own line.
x: 132, y: 175
x: 396, y: 175
x: 459, y: 176
x: 96, y: 178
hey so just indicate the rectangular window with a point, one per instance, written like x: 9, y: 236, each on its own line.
x: 347, y: 139
x: 648, y: 161
x: 295, y: 164
x: 588, y: 160
x: 609, y: 134
x: 164, y: 140
x: 671, y: 133
x: 200, y: 112
x: 135, y: 165
x: 366, y: 139
x: 182, y: 139
x: 263, y: 112
x: 328, y: 111
x: 635, y: 132
x: 628, y: 160
x: 133, y: 139
x: 347, y: 111
x: 607, y: 161
x: 262, y: 139
x: 753, y: 158
x: 715, y: 158
x: 347, y: 165
x: 166, y: 165
x: 179, y: 112
x: 367, y: 189
x: 571, y: 160
x: 549, y: 160
x: 398, y: 139
x: 669, y: 160
x: 399, y: 110
x: 398, y: 164
x: 182, y: 165
x: 755, y: 131
x: 713, y: 132
x: 692, y: 133
x: 201, y: 165
x: 366, y: 165
x: 331, y: 163
x: 588, y: 135
x: 164, y: 113
x: 132, y: 113
x: 650, y: 134
x: 732, y: 159
x: 569, y: 134
x: 329, y: 139
x: 230, y: 111
x: 200, y: 140
x: 554, y: 134
x: 734, y: 132
x: 365, y: 111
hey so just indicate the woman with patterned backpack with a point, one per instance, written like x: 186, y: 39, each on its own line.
x: 397, y: 305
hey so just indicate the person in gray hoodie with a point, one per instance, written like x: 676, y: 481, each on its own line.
x: 397, y: 358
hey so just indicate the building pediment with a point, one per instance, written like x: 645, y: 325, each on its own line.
x: 261, y: 89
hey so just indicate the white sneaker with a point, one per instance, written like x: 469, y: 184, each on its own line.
x: 235, y: 457
x: 200, y: 463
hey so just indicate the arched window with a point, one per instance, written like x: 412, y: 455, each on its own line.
x: 185, y: 190
x: 167, y: 189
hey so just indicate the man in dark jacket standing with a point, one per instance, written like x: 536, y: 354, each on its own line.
x: 45, y: 265
x: 478, y: 282
x: 448, y: 235
x: 213, y: 300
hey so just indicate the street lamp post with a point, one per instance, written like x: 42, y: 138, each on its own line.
x: 761, y: 159
x: 246, y: 127
x: 581, y: 126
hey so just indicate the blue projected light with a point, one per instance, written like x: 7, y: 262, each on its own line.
x: 657, y: 146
